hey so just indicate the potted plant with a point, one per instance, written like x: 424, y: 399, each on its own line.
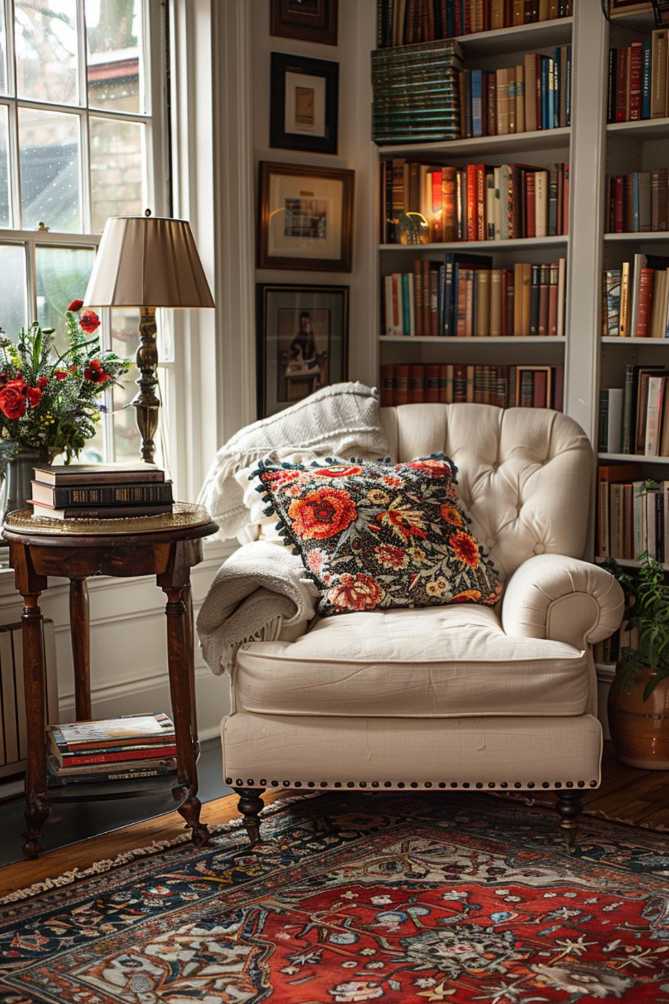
x: 50, y: 401
x: 639, y: 696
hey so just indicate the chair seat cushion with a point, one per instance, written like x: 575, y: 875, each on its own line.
x: 430, y: 662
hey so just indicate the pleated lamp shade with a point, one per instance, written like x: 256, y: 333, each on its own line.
x: 147, y: 261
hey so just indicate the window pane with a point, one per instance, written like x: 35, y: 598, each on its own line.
x: 62, y: 276
x: 49, y: 160
x: 46, y: 50
x: 12, y: 288
x: 117, y: 169
x: 5, y: 218
x: 125, y: 338
x: 3, y: 52
x: 115, y: 64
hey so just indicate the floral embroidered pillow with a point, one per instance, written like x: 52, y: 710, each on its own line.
x: 376, y: 536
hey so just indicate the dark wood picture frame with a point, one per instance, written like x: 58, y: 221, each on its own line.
x: 313, y: 21
x: 325, y: 69
x: 266, y: 211
x: 305, y: 300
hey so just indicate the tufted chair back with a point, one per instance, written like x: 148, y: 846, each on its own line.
x: 524, y: 474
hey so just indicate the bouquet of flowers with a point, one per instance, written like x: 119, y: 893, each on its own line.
x: 50, y: 401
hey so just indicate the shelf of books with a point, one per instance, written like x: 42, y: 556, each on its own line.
x: 633, y: 427
x: 472, y: 121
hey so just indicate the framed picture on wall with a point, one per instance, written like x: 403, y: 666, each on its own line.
x: 304, y: 103
x: 305, y: 218
x: 302, y: 342
x: 308, y: 20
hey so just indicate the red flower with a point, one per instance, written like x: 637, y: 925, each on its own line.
x: 391, y: 556
x: 465, y: 548
x: 95, y: 372
x: 34, y: 396
x: 433, y: 468
x: 89, y: 322
x: 340, y: 471
x: 62, y: 374
x: 42, y: 382
x: 322, y: 513
x: 451, y: 514
x: 355, y: 592
x: 279, y: 478
x: 75, y: 306
x: 13, y: 399
x: 467, y: 596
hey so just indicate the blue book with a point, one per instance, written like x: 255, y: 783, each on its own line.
x: 645, y: 80
x: 556, y: 89
x: 406, y: 312
x: 450, y: 18
x: 477, y: 102
x: 568, y: 86
x: 544, y: 92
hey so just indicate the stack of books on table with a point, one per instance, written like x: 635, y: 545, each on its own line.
x: 115, y: 749
x: 78, y: 491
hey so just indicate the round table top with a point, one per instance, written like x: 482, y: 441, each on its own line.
x: 186, y: 520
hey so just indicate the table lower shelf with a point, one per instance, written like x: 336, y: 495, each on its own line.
x: 110, y: 790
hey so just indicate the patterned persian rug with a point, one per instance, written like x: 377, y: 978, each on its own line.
x: 406, y: 898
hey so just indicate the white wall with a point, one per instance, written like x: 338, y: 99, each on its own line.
x: 355, y: 150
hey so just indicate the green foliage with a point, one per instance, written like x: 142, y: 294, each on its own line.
x: 647, y: 611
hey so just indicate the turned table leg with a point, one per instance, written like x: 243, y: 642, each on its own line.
x: 37, y: 805
x: 182, y: 689
x: 81, y: 648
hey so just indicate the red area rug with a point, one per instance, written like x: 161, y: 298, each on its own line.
x: 409, y: 899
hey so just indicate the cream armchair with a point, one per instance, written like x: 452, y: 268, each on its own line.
x: 454, y: 697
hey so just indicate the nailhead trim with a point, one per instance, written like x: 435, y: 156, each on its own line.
x: 462, y: 785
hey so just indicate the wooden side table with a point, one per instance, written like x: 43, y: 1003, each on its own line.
x: 166, y: 546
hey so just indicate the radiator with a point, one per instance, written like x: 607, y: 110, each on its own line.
x: 12, y: 711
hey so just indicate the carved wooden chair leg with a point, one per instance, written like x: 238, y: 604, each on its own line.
x: 570, y: 806
x: 250, y: 805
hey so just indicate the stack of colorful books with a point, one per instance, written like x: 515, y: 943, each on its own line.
x: 115, y: 749
x: 637, y: 81
x: 416, y: 93
x: 98, y: 492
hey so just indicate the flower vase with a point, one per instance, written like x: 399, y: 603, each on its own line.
x: 17, y: 464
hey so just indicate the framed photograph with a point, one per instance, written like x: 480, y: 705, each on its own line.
x: 308, y: 20
x: 304, y: 103
x: 302, y: 342
x: 305, y: 218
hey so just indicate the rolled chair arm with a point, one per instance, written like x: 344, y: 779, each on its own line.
x: 562, y: 599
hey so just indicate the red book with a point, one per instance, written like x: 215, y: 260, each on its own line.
x: 635, y: 58
x: 387, y: 373
x: 449, y: 204
x: 472, y: 226
x: 461, y: 303
x: 619, y: 204
x: 539, y: 397
x: 159, y: 753
x: 402, y: 384
x: 621, y: 85
x: 436, y: 222
x: 480, y: 202
x: 530, y: 208
x: 432, y: 383
x: 443, y: 383
x: 644, y: 307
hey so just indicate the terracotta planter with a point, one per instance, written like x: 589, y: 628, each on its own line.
x: 640, y: 729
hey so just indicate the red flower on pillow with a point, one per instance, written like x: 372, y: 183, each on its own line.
x: 391, y: 556
x: 338, y: 472
x: 467, y: 596
x: 278, y: 478
x: 404, y: 523
x: 355, y: 592
x: 433, y: 468
x: 322, y: 513
x: 465, y: 548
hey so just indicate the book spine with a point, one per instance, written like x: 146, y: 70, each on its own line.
x: 82, y: 760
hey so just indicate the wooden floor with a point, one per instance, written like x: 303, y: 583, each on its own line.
x: 627, y: 795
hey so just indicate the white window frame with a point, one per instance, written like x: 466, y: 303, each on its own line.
x: 155, y: 119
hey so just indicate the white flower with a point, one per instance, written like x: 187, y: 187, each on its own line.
x: 381, y: 900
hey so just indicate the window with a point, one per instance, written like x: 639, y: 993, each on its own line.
x: 81, y: 139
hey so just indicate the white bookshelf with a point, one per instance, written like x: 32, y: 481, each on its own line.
x: 518, y: 38
x: 453, y: 342
x: 633, y: 458
x: 642, y: 237
x: 516, y: 244
x: 541, y: 139
x: 646, y: 343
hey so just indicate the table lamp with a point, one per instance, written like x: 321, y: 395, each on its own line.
x: 147, y: 262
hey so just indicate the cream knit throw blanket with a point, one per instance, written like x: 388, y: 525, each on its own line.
x: 340, y: 420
